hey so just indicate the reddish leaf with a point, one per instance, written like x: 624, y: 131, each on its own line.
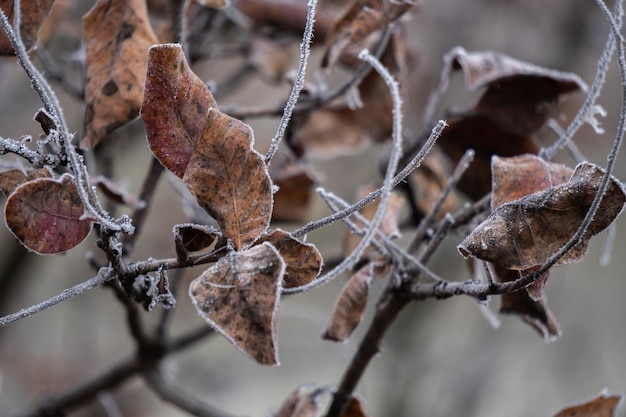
x: 303, y: 260
x: 230, y: 179
x: 526, y: 232
x: 239, y: 297
x: 46, y: 215
x: 32, y: 15
x: 175, y: 107
x: 117, y: 38
x: 350, y: 305
x: 361, y: 19
x: 604, y: 405
x: 295, y: 181
x: 10, y: 180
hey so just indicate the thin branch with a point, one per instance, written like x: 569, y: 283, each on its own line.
x: 51, y: 104
x: 104, y: 275
x: 305, y: 50
x: 171, y: 394
x: 420, y: 232
x: 411, y: 166
x: 388, y: 183
x: 586, y: 110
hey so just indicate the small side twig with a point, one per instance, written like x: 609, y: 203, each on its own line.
x: 104, y: 275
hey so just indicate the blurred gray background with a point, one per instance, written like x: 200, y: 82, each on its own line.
x: 441, y: 358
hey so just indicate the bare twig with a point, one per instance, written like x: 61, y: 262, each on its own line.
x: 104, y: 275
x: 388, y: 183
x: 411, y: 166
x: 305, y: 49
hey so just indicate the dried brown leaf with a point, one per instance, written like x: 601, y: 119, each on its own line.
x: 295, y: 183
x: 46, y: 215
x: 483, y: 68
x: 427, y: 183
x: 270, y: 58
x: 230, y: 179
x: 359, y: 21
x: 117, y: 37
x: 526, y: 232
x: 299, y: 403
x: 33, y: 13
x: 480, y: 133
x: 195, y: 237
x: 175, y: 107
x: 535, y: 312
x: 604, y: 405
x: 303, y: 260
x: 10, y: 180
x: 350, y: 304
x: 117, y: 193
x: 239, y: 297
x: 517, y: 177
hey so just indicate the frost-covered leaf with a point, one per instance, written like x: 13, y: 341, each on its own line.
x: 303, y: 260
x: 175, y: 107
x: 239, y: 297
x: 46, y: 215
x: 117, y: 37
x: 526, y: 232
x: 230, y: 179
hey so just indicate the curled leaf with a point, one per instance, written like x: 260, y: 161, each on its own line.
x: 303, y: 260
x: 195, y: 237
x: 175, y: 107
x: 239, y: 297
x: 117, y: 37
x: 526, y: 232
x: 47, y: 215
x: 230, y: 179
